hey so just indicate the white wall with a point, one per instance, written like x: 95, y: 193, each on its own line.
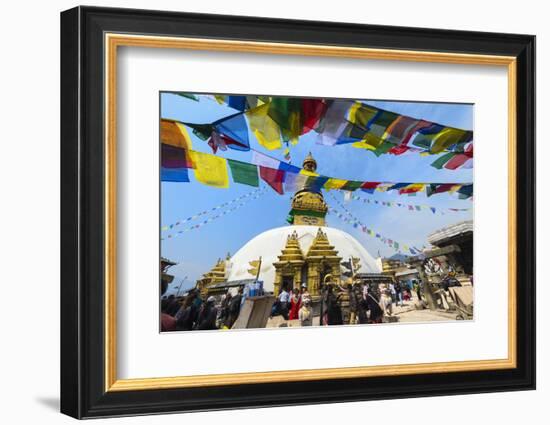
x: 29, y: 224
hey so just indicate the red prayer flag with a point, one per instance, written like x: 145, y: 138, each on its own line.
x: 456, y: 161
x: 274, y: 178
x: 312, y: 112
x: 370, y: 185
x: 398, y: 150
x: 443, y: 188
x: 175, y: 157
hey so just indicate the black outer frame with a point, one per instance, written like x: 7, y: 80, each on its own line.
x: 82, y: 211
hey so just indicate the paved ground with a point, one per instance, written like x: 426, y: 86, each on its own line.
x: 405, y: 313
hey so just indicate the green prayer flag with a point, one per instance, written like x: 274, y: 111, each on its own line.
x: 286, y: 112
x: 442, y: 160
x: 188, y: 96
x: 383, y: 148
x: 244, y: 173
x: 352, y: 185
x: 202, y: 131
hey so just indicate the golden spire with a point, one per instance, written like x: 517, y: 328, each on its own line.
x: 308, y: 205
x: 309, y: 163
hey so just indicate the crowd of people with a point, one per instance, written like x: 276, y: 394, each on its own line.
x: 356, y: 303
x: 191, y: 312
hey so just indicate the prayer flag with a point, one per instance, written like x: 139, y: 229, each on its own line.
x: 412, y: 188
x: 369, y: 187
x: 352, y: 185
x: 188, y: 96
x: 274, y: 178
x: 457, y: 161
x: 174, y: 157
x: 466, y: 191
x: 369, y: 141
x: 333, y: 124
x: 244, y: 173
x: 308, y: 173
x: 332, y: 183
x: 180, y: 175
x: 294, y: 181
x: 383, y: 148
x: 399, y: 186
x: 442, y: 160
x: 202, y: 131
x: 175, y: 134
x: 286, y: 112
x: 237, y: 102
x: 381, y: 121
x: 316, y: 183
x: 264, y: 128
x: 448, y: 137
x: 235, y: 128
x: 438, y: 188
x: 399, y: 129
x: 259, y: 158
x: 384, y: 187
x: 289, y: 168
x: 425, y: 136
x: 210, y: 169
x: 361, y: 115
x: 312, y: 112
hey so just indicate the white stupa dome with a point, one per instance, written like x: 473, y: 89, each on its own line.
x: 269, y: 244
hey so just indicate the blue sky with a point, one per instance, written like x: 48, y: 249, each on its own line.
x: 196, y: 251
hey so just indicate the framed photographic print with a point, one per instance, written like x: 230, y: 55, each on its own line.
x: 261, y: 212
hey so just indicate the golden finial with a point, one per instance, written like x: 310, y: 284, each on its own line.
x: 309, y: 163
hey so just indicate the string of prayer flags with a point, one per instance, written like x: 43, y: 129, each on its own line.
x: 208, y: 211
x: 408, y: 207
x: 358, y: 224
x: 275, y: 120
x: 212, y: 170
x: 214, y: 218
x: 350, y: 219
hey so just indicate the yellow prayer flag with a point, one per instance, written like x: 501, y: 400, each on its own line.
x: 413, y: 188
x: 370, y: 141
x: 446, y: 138
x: 264, y: 128
x: 220, y: 99
x: 175, y: 134
x: 308, y: 173
x: 334, y: 183
x: 210, y: 169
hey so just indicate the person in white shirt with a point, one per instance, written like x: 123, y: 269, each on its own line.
x: 284, y: 298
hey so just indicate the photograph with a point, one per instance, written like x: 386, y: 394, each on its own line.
x: 280, y: 212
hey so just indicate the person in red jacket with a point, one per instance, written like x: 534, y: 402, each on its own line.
x: 295, y: 304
